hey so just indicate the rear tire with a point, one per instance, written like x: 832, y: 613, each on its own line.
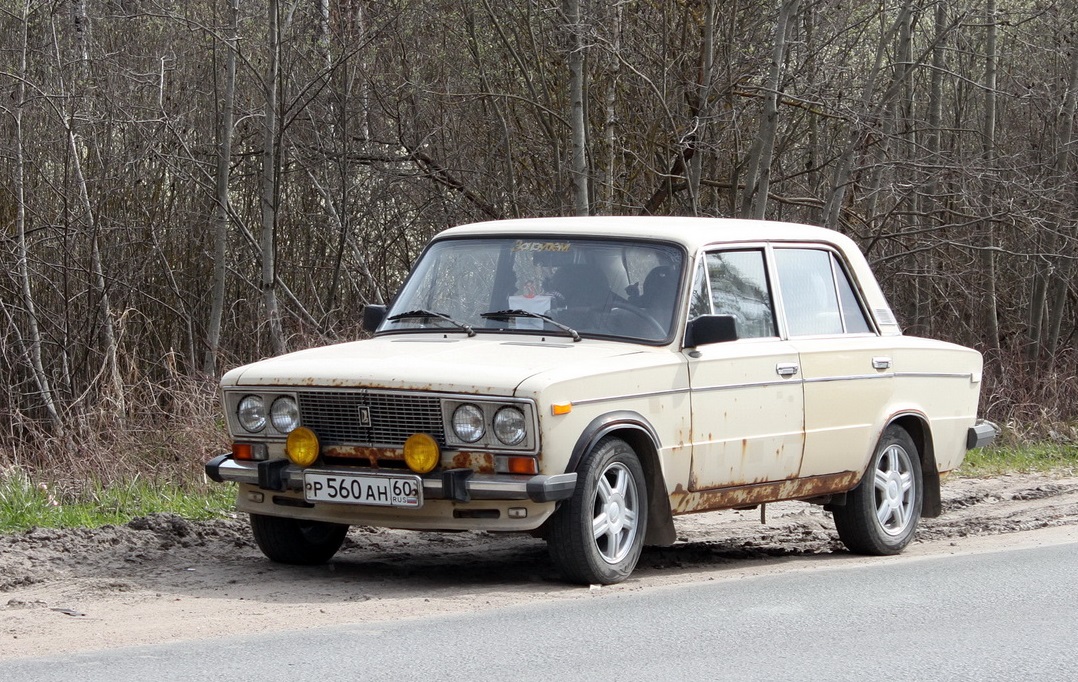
x: 292, y: 541
x: 596, y: 536
x: 881, y: 514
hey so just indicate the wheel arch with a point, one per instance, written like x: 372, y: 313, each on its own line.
x: 637, y: 431
x: 920, y: 430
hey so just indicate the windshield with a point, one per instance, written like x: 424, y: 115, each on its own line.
x: 611, y: 288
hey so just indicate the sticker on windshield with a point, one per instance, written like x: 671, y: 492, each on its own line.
x: 554, y: 247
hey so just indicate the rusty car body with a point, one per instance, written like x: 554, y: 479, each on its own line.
x: 588, y: 379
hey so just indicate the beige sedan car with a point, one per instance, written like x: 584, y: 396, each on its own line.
x: 589, y: 379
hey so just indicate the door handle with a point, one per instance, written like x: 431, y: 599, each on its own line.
x: 786, y: 370
x: 881, y: 363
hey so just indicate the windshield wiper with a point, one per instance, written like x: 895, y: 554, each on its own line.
x: 418, y: 314
x: 506, y: 314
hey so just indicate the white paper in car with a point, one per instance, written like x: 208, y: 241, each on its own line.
x: 539, y: 304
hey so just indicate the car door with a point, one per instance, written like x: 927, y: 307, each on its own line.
x: 845, y: 365
x: 746, y: 395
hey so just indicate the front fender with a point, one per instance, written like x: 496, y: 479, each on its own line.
x: 638, y: 432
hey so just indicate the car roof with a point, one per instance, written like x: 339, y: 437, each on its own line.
x: 691, y: 232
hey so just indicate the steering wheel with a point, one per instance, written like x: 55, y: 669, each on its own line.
x: 655, y: 332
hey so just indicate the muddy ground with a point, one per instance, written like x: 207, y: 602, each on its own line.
x: 163, y: 578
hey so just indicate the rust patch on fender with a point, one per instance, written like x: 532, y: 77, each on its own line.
x: 683, y: 502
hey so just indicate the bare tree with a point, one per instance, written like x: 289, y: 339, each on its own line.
x: 33, y: 340
x: 268, y: 198
x: 579, y: 146
x: 221, y: 209
x: 758, y: 176
x: 988, y: 134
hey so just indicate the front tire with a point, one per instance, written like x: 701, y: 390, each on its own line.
x: 596, y: 536
x: 292, y: 541
x: 881, y: 514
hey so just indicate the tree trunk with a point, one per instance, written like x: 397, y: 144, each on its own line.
x: 1042, y: 317
x: 1061, y: 279
x: 269, y: 184
x: 613, y: 60
x: 702, y: 105
x: 220, y: 221
x: 928, y: 207
x: 758, y: 176
x: 113, y: 393
x: 988, y: 135
x: 37, y: 369
x: 844, y: 166
x: 577, y: 122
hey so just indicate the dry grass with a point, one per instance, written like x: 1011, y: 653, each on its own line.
x: 164, y: 436
x: 1032, y: 403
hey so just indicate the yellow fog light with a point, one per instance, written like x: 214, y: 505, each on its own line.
x: 302, y: 447
x: 421, y: 453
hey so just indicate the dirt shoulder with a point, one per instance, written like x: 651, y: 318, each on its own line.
x: 163, y: 578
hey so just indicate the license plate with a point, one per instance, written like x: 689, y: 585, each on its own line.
x: 378, y: 491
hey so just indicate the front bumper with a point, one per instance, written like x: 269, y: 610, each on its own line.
x: 462, y: 485
x: 981, y: 434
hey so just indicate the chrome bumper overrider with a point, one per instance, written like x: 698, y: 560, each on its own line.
x: 457, y: 484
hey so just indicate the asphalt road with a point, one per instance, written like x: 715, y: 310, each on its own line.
x: 1009, y: 615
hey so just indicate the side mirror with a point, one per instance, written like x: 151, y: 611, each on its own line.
x: 708, y: 329
x: 373, y: 316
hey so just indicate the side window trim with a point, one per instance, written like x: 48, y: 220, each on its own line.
x: 776, y: 292
x: 707, y: 283
x: 838, y: 291
x: 839, y: 269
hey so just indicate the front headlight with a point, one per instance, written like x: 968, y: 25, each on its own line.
x: 284, y: 414
x: 251, y: 413
x: 468, y: 423
x: 510, y: 425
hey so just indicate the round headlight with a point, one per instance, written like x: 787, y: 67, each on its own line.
x: 252, y: 413
x: 284, y: 414
x: 468, y: 423
x: 509, y: 425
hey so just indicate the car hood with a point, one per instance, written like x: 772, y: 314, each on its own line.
x: 428, y: 362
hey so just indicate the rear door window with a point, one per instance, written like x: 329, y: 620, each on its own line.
x: 817, y: 296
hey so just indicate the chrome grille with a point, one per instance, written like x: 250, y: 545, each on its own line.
x: 335, y: 417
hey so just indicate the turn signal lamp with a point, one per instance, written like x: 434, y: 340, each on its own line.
x: 302, y: 447
x: 522, y: 465
x: 421, y: 453
x: 249, y: 451
x: 558, y: 409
